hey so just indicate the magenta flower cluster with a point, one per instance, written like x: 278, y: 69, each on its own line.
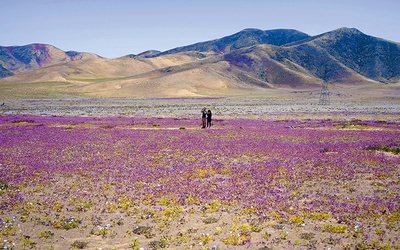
x: 252, y: 162
x: 282, y: 167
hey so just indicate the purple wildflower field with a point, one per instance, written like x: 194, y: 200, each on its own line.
x: 153, y: 183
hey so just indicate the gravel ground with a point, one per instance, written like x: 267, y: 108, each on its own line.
x: 223, y: 108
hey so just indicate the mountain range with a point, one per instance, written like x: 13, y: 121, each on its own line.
x: 248, y: 60
x: 15, y: 59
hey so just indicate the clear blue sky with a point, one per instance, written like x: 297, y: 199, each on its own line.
x: 114, y: 28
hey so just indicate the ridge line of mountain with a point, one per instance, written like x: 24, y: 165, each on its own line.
x: 341, y: 55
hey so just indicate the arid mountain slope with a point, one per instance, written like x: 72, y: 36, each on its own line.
x: 372, y: 57
x: 242, y: 39
x: 246, y: 62
x: 345, y: 55
x: 16, y: 59
x: 339, y: 55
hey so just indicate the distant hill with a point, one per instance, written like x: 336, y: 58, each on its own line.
x: 15, y: 59
x: 242, y: 39
x: 250, y: 60
x: 344, y: 55
x: 372, y: 57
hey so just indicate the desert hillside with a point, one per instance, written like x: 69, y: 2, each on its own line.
x: 250, y: 61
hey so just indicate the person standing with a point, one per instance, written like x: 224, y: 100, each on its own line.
x: 209, y: 118
x: 204, y: 117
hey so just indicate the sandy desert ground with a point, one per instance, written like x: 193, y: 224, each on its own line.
x: 142, y: 183
x: 377, y: 102
x: 366, y: 103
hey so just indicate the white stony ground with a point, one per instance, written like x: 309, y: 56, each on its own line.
x: 302, y: 106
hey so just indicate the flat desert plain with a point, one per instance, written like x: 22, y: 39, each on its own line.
x: 276, y: 171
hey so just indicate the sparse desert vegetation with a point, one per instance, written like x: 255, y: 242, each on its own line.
x: 275, y: 171
x: 107, y: 153
x: 134, y: 182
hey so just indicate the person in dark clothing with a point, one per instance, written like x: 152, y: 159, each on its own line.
x: 209, y: 118
x: 204, y: 117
